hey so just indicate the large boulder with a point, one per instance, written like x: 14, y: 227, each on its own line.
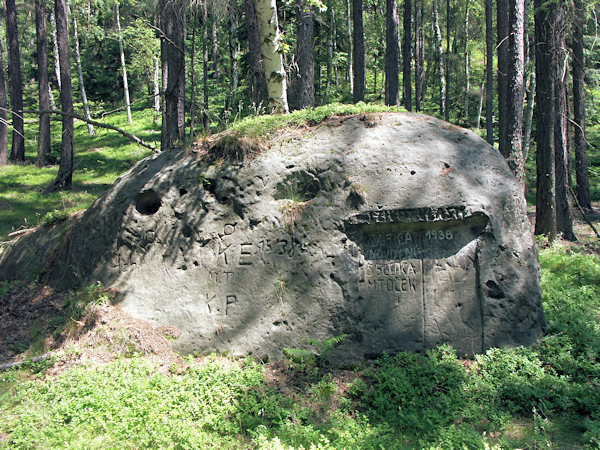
x: 402, y: 232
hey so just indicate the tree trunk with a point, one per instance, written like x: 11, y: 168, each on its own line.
x: 205, y: 74
x: 55, y: 50
x: 156, y: 90
x: 358, y: 51
x: 419, y: 56
x: 3, y: 113
x: 447, y: 70
x: 173, y: 25
x: 391, y: 54
x: 194, y: 12
x: 439, y: 58
x: 123, y: 66
x: 17, y: 152
x: 513, y: 150
x: 502, y: 39
x: 305, y: 52
x: 467, y: 56
x: 86, y: 108
x: 481, y: 95
x: 270, y: 39
x: 351, y: 44
x: 545, y: 202
x: 564, y: 221
x: 164, y: 81
x: 64, y: 179
x: 43, y: 91
x: 581, y: 163
x: 406, y: 52
x: 214, y: 19
x: 234, y: 47
x: 258, y: 83
x: 330, y: 33
x: 489, y: 69
x: 530, y: 101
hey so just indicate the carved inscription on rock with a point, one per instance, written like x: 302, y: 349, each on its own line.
x: 418, y: 278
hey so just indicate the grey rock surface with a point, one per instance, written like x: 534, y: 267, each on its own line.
x: 403, y: 235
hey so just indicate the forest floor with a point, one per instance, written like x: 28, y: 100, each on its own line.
x: 93, y: 376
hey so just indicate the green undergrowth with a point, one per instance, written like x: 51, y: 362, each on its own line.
x: 544, y: 396
x: 98, y: 161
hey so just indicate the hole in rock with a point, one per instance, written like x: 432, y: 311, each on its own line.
x: 182, y: 191
x: 187, y: 231
x: 147, y: 202
x: 412, y: 172
x: 493, y: 290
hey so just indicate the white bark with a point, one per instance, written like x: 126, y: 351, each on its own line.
x: 122, y: 53
x: 55, y: 50
x: 156, y: 87
x: 268, y: 30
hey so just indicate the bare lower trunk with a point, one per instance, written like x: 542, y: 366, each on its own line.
x: 439, y: 58
x: 214, y: 19
x: 481, y: 95
x: 270, y: 39
x: 194, y: 12
x: 64, y: 179
x: 581, y: 163
x: 156, y: 87
x: 407, y: 55
x: 391, y: 55
x: 259, y: 83
x: 351, y: 44
x: 419, y: 56
x: 123, y: 66
x: 205, y: 74
x: 305, y: 52
x: 86, y: 108
x: 358, y: 51
x: 17, y: 152
x: 234, y: 46
x: 467, y: 56
x: 530, y: 102
x: 545, y: 203
x: 43, y: 91
x: 55, y: 49
x: 3, y: 113
x: 502, y: 40
x: 489, y: 69
x: 329, y: 63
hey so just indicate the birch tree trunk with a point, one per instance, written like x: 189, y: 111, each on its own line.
x: 17, y: 152
x: 86, y: 108
x: 55, y: 50
x: 123, y: 66
x: 481, y: 95
x: 156, y: 90
x: 351, y: 44
x: 268, y: 29
x: 64, y: 179
x: 43, y: 86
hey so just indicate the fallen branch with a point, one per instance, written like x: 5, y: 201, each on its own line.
x: 129, y: 136
x: 589, y: 222
x: 12, y: 365
x: 20, y: 232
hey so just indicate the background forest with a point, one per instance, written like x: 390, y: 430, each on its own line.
x: 152, y: 75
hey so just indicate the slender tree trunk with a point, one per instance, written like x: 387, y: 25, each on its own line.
x: 502, y: 30
x: 17, y: 152
x: 545, y: 212
x: 194, y: 12
x: 305, y: 52
x: 270, y: 39
x: 55, y: 50
x: 489, y: 70
x: 205, y: 74
x: 481, y: 95
x: 564, y: 221
x: 467, y: 56
x: 259, y: 83
x: 214, y: 19
x: 447, y: 70
x: 173, y: 12
x: 43, y: 91
x: 513, y: 150
x: 406, y: 53
x: 123, y: 66
x: 330, y: 32
x: 156, y: 86
x: 530, y: 102
x: 581, y: 163
x: 86, y: 108
x: 64, y: 179
x: 358, y: 51
x: 234, y: 46
x: 3, y: 112
x: 419, y: 56
x: 391, y: 54
x: 439, y: 59
x: 351, y: 44
x: 164, y: 81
